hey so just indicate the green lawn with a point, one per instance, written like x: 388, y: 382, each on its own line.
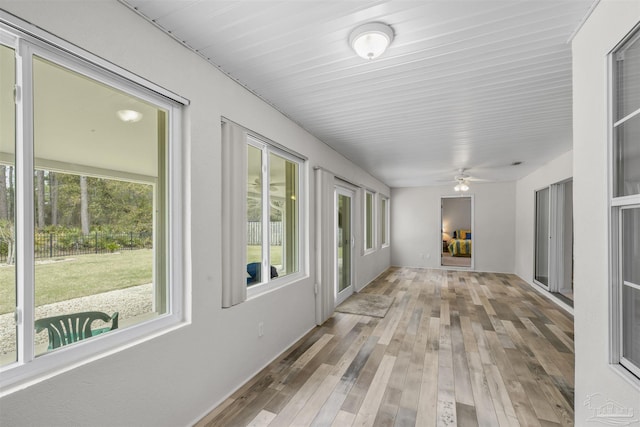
x: 254, y: 254
x: 80, y: 275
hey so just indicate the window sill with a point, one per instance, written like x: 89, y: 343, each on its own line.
x: 626, y: 375
x: 19, y: 376
x: 263, y: 288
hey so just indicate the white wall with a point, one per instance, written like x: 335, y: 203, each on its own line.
x: 415, y: 226
x: 175, y: 378
x: 608, y: 24
x: 557, y: 170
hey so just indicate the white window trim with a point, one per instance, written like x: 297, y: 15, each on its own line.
x: 374, y: 217
x: 28, y: 369
x: 268, y: 285
x: 615, y: 208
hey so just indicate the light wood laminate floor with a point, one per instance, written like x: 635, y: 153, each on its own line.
x: 456, y: 348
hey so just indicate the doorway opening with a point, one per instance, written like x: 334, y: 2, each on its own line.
x: 456, y: 224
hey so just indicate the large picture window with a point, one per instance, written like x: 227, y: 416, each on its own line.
x: 273, y: 213
x: 625, y: 205
x: 88, y: 203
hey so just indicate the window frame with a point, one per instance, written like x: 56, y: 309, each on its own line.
x: 369, y: 247
x: 384, y: 222
x: 616, y: 207
x: 28, y: 42
x: 268, y: 147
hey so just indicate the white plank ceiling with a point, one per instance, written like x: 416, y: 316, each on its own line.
x: 465, y: 84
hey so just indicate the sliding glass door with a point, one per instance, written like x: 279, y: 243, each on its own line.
x: 553, y: 265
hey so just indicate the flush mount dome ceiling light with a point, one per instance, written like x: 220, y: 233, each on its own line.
x: 371, y: 40
x: 129, y: 116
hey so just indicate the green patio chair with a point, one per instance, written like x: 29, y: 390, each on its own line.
x: 69, y: 328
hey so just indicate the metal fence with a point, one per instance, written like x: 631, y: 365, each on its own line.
x: 52, y: 245
x: 254, y: 233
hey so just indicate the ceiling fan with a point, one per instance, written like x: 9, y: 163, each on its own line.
x: 463, y: 179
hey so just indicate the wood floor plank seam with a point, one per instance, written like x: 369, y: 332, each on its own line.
x: 455, y: 348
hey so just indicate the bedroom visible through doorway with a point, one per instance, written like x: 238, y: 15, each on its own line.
x: 456, y: 226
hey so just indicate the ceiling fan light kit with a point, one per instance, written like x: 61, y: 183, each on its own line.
x: 461, y: 186
x: 463, y: 181
x: 371, y: 40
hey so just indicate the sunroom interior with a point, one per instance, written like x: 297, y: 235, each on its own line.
x: 245, y: 250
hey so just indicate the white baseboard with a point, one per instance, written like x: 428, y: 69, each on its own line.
x: 219, y: 402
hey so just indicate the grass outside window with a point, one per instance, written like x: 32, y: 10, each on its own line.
x: 254, y: 252
x: 61, y: 279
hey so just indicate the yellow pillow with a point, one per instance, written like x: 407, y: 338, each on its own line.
x: 462, y: 234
